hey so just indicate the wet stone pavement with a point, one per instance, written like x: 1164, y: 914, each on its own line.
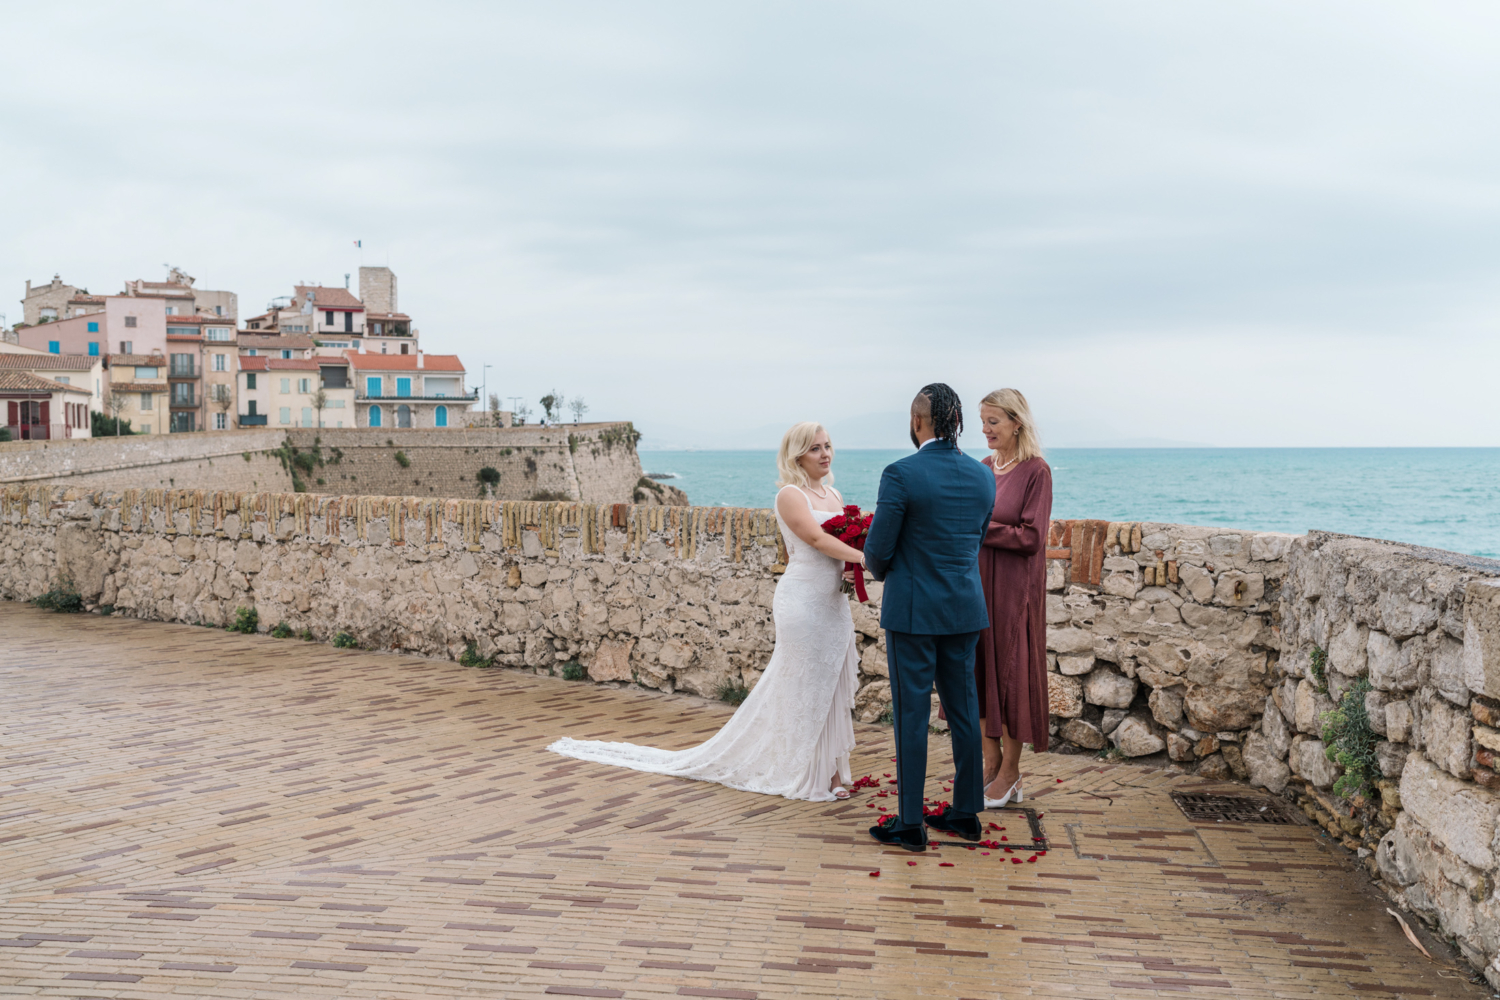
x: 186, y: 812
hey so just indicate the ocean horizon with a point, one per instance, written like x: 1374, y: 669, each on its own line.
x: 1445, y: 498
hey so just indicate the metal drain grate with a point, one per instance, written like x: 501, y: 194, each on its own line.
x: 1232, y: 809
x: 1038, y: 836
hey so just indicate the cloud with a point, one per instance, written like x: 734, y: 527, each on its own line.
x: 1265, y: 223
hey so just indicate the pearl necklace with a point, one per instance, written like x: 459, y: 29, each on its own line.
x: 1005, y: 466
x: 820, y: 496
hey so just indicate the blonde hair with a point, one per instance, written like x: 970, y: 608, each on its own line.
x: 1028, y: 445
x: 795, y: 443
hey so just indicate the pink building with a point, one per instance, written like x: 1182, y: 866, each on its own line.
x: 128, y: 324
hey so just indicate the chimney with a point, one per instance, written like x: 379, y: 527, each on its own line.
x: 361, y: 347
x: 419, y: 357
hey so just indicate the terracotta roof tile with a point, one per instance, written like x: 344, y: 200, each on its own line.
x: 404, y: 362
x: 328, y: 298
x: 54, y: 362
x: 294, y: 341
x: 137, y: 387
x: 15, y: 381
x: 149, y: 360
x: 261, y: 363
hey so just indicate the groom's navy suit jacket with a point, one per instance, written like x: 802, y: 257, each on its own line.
x: 930, y: 519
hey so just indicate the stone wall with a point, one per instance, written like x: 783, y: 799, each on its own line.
x: 230, y: 460
x: 594, y: 463
x: 1413, y: 636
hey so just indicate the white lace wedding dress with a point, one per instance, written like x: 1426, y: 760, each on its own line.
x: 796, y: 727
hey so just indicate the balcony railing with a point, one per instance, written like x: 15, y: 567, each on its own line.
x: 183, y: 400
x: 253, y: 419
x: 393, y: 398
x: 182, y: 371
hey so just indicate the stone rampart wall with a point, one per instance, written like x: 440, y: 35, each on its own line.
x: 593, y: 463
x: 229, y: 460
x: 1412, y: 636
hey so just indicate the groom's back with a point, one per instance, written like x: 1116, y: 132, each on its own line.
x: 936, y: 506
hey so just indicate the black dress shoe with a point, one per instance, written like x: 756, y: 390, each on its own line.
x: 913, y: 838
x: 966, y: 827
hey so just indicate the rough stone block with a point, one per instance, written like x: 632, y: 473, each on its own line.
x: 1083, y: 734
x: 1390, y: 757
x: 1134, y: 738
x: 1166, y: 707
x: 1398, y: 721
x: 1198, y: 582
x: 1312, y: 705
x: 1215, y: 768
x: 1070, y: 640
x: 1216, y: 708
x: 612, y: 661
x: 1389, y: 670
x: 1109, y: 689
x: 1445, y: 736
x: 1238, y: 590
x: 1064, y: 696
x: 1457, y: 814
x: 1075, y: 666
x: 1111, y: 719
x: 1485, y: 711
x: 873, y: 662
x: 1482, y: 637
x: 1179, y: 747
x: 1375, y: 702
x: 1346, y: 650
x: 1487, y: 738
x: 1274, y: 727
x: 1265, y: 766
x: 1446, y: 673
x: 1310, y: 760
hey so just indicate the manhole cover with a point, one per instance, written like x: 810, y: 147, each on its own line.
x: 1231, y: 809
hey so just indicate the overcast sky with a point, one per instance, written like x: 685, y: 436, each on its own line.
x: 1255, y: 223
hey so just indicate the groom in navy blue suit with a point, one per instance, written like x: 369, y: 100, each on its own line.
x: 931, y: 516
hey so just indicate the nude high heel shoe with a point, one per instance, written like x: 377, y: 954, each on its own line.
x: 1002, y: 801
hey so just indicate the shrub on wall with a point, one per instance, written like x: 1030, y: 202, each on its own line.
x: 1351, y: 741
x: 344, y: 640
x: 64, y: 598
x: 246, y: 620
x: 402, y: 460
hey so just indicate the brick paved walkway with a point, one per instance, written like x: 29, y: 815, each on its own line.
x: 190, y: 813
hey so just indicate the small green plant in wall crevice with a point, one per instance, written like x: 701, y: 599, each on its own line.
x: 343, y: 640
x: 402, y: 460
x: 1319, y: 669
x: 1350, y: 742
x: 246, y: 620
x: 281, y: 631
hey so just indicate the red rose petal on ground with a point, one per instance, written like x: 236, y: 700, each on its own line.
x: 945, y: 864
x: 875, y: 874
x: 984, y: 852
x: 1031, y: 859
x: 913, y: 863
x: 1015, y: 861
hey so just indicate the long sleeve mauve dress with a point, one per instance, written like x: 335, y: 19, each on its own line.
x: 1010, y: 666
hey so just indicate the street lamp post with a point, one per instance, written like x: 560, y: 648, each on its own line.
x: 484, y: 399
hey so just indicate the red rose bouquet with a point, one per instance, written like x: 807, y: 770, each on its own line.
x: 852, y: 528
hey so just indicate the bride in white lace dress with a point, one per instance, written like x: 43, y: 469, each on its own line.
x: 793, y: 734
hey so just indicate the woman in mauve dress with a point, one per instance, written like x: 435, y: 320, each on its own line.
x: 1010, y: 666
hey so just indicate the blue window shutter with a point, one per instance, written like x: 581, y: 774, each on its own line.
x: 403, y: 387
x: 372, y: 386
x: 93, y: 345
x: 374, y: 416
x: 442, y: 416
x: 93, y: 327
x: 54, y: 347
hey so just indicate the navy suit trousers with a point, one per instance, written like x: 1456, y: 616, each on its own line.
x: 917, y: 662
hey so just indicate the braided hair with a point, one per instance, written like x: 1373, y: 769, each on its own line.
x: 947, y: 412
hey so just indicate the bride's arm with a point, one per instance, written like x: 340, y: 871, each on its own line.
x: 791, y: 504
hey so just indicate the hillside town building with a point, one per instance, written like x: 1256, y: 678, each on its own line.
x: 285, y: 392
x: 138, y: 391
x: 409, y: 390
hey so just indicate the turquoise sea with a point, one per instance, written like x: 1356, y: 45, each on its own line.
x: 1448, y: 498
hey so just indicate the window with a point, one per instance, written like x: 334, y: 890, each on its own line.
x: 183, y: 366
x: 48, y: 313
x: 378, y: 328
x: 141, y: 372
x: 182, y: 422
x: 93, y: 345
x: 307, y: 416
x: 252, y: 353
x: 93, y: 326
x: 328, y: 318
x: 403, y: 386
x: 216, y: 333
x: 181, y: 331
x: 250, y: 383
x: 304, y: 385
x: 403, y: 415
x: 372, y: 388
x: 251, y: 410
x: 171, y: 310
x: 127, y: 347
x: 145, y: 401
x: 336, y: 404
x: 286, y: 414
x: 348, y: 322
x: 286, y: 385
x: 286, y: 355
x: 440, y: 417
x: 145, y: 428
x: 219, y: 311
x: 374, y: 416
x: 221, y: 421
x: 62, y: 378
x: 53, y: 347
x: 221, y: 363
x: 404, y: 347
x: 182, y: 394
x: 382, y: 348
x: 130, y: 322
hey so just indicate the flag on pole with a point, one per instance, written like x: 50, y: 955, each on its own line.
x: 359, y: 243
